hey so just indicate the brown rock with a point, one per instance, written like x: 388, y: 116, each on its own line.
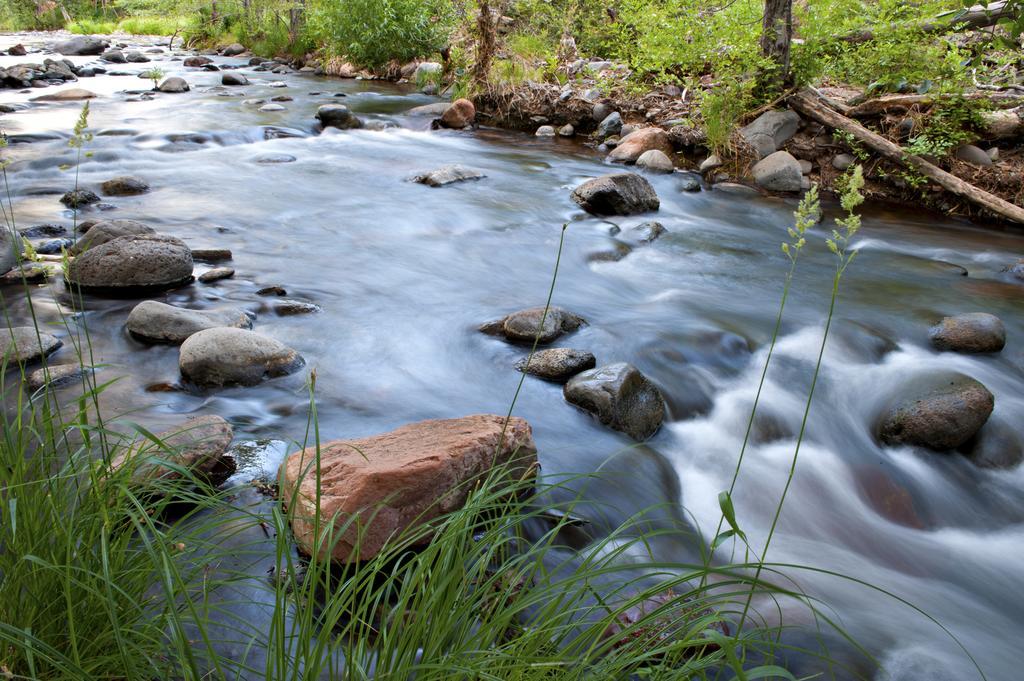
x: 74, y: 94
x: 198, y: 445
x: 395, y: 480
x: 460, y: 114
x: 633, y: 145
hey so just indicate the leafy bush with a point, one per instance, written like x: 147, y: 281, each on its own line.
x: 373, y: 32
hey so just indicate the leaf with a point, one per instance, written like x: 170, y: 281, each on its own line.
x: 769, y: 671
x: 725, y: 503
x: 723, y: 536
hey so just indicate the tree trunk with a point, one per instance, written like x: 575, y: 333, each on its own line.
x: 296, y: 17
x: 213, y: 12
x: 776, y: 36
x: 485, y: 45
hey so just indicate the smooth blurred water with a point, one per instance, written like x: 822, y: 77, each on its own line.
x: 404, y: 273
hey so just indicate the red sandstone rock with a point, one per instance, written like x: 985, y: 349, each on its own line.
x: 633, y: 145
x: 460, y: 114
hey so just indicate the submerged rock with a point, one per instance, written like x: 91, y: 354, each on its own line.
x: 125, y: 186
x: 157, y: 322
x: 337, y: 116
x: 81, y: 45
x: 943, y: 414
x: 25, y: 344
x: 447, y: 175
x: 231, y: 78
x: 226, y: 356
x: 77, y: 198
x: 616, y: 194
x: 394, y: 481
x: 557, y: 364
x: 147, y: 261
x: 197, y: 61
x: 54, y: 376
x: 974, y: 332
x: 199, y: 446
x: 525, y: 326
x: 997, y: 445
x: 620, y: 397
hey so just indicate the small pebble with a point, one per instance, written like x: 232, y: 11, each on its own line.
x: 216, y: 274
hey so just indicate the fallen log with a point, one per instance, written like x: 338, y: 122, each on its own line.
x: 974, y: 18
x: 807, y: 104
x: 881, y: 105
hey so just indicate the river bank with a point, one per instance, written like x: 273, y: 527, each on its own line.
x: 394, y: 280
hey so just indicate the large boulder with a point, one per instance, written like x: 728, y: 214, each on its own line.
x: 770, y: 130
x: 125, y: 186
x: 81, y: 45
x: 158, y: 322
x: 76, y: 198
x: 779, y: 172
x: 337, y: 116
x: 199, y: 446
x: 114, y: 56
x: 616, y: 194
x: 974, y: 332
x: 620, y: 397
x: 174, y: 85
x: 374, y: 488
x: 233, y: 50
x: 127, y: 263
x: 557, y: 364
x: 448, y: 174
x: 26, y: 344
x: 227, y: 356
x: 460, y: 114
x: 939, y: 413
x: 525, y: 326
x: 632, y: 146
x: 232, y: 78
x: 108, y: 230
x: 610, y: 125
x: 197, y: 61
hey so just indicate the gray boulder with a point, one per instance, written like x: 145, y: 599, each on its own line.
x: 843, y: 161
x: 54, y: 376
x: 545, y: 131
x: 24, y: 344
x: 174, y: 85
x: 225, y: 356
x: 616, y: 194
x: 10, y: 250
x: 447, y: 175
x: 337, y: 116
x: 81, y: 45
x: 770, y: 131
x: 124, y: 186
x: 557, y: 364
x: 147, y: 261
x: 199, y: 446
x: 77, y: 198
x: 610, y: 125
x: 136, y: 57
x: 525, y: 326
x: 197, y: 61
x: 656, y: 161
x: 114, y: 56
x: 620, y: 397
x: 108, y: 230
x: 779, y: 172
x: 216, y: 274
x: 233, y: 50
x: 974, y: 332
x: 157, y: 322
x: 437, y: 109
x: 973, y: 155
x: 232, y: 78
x: 941, y: 413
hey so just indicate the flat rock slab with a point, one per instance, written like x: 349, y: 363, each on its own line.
x: 157, y: 322
x: 620, y: 397
x: 198, y: 445
x: 557, y: 364
x: 24, y: 344
x: 616, y: 194
x: 393, y: 481
x: 448, y: 175
x: 54, y: 376
x: 531, y: 324
x: 143, y: 262
x: 226, y: 356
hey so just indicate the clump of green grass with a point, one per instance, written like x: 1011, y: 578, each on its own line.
x: 151, y: 25
x: 92, y: 27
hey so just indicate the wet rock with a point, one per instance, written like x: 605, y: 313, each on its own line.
x: 54, y: 376
x: 10, y: 251
x: 769, y: 131
x: 620, y: 397
x: 435, y: 109
x: 29, y: 273
x: 24, y: 344
x: 124, y: 186
x: 974, y: 332
x: 114, y: 56
x: 557, y: 364
x: 271, y: 108
x: 566, y: 130
x: 211, y: 254
x: 288, y: 308
x: 633, y: 145
x: 712, y: 162
x: 211, y: 67
x: 36, y: 231
x: 1017, y: 270
x: 147, y: 261
x: 655, y: 161
x: 447, y: 175
x: 973, y: 155
x: 254, y: 102
x: 216, y: 274
x: 197, y: 61
x: 337, y: 116
x: 395, y: 480
x: 618, y: 251
x: 997, y: 445
x: 460, y: 114
x: 17, y: 50
x: 689, y: 183
x: 227, y: 356
x: 545, y: 131
x: 54, y: 246
x: 610, y: 125
x: 943, y: 413
x: 277, y: 84
x: 281, y: 98
x: 600, y: 111
x: 157, y: 322
x: 74, y: 94
x: 78, y: 198
x: 272, y: 159
x: 174, y: 85
x: 616, y: 194
x: 647, y: 232
x: 231, y: 78
x: 525, y: 326
x: 108, y: 230
x: 81, y: 45
x: 199, y: 446
x: 272, y: 291
x: 779, y: 172
x: 233, y: 50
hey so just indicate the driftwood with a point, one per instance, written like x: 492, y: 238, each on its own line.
x: 881, y: 105
x: 810, y: 106
x: 973, y: 19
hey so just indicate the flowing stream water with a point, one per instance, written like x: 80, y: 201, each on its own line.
x: 405, y: 273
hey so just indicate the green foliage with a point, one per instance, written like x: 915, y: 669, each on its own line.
x: 92, y: 27
x: 154, y: 74
x: 373, y: 32
x: 947, y: 127
x: 721, y: 109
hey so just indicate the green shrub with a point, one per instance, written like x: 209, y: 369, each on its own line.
x: 92, y: 27
x: 152, y: 25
